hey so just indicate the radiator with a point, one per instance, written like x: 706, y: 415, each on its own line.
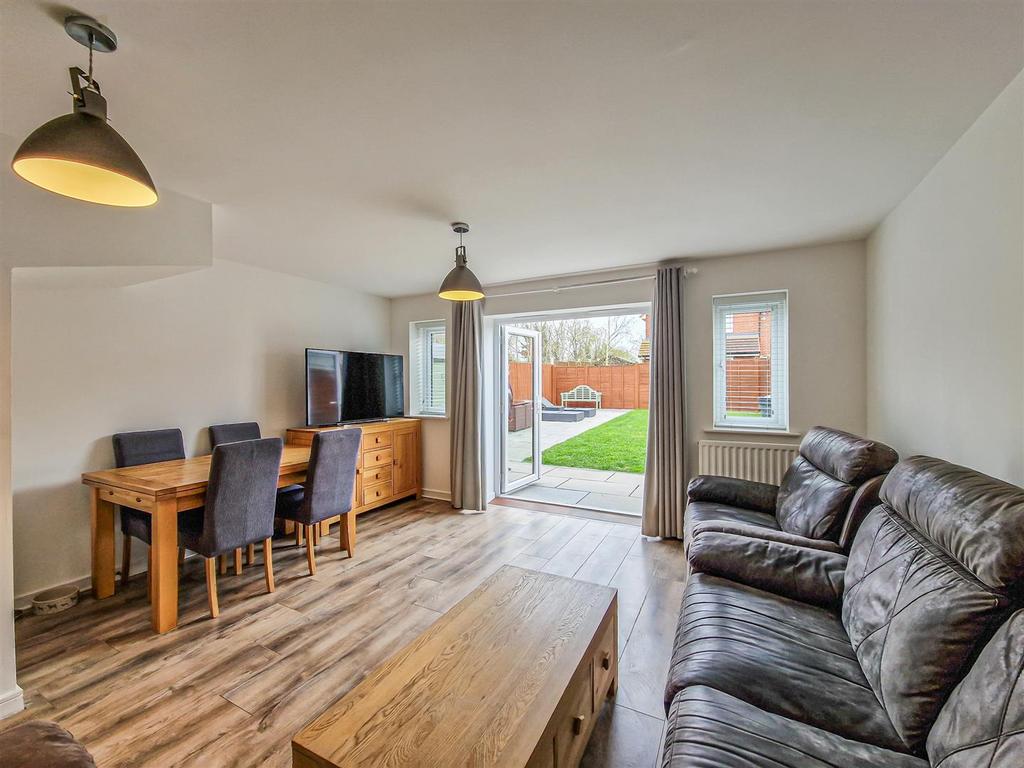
x: 763, y: 462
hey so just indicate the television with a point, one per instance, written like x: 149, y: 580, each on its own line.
x: 346, y: 387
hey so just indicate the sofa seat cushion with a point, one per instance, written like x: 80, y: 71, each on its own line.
x: 781, y: 655
x: 698, y: 512
x: 42, y: 744
x: 707, y: 728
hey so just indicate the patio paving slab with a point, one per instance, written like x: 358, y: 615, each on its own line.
x: 627, y: 477
x: 550, y: 482
x: 579, y: 473
x: 594, y: 486
x: 551, y: 495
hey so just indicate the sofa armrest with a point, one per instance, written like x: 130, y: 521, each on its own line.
x: 809, y: 575
x: 734, y: 492
x: 760, y: 532
x: 864, y: 500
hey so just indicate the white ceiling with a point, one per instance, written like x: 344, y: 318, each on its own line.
x: 338, y: 139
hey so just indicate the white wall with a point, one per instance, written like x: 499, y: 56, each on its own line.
x: 11, y: 699
x: 436, y: 464
x: 52, y: 232
x: 214, y: 345
x: 945, y: 296
x: 826, y: 294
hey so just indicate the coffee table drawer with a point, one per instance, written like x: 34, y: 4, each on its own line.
x: 576, y: 719
x: 605, y: 663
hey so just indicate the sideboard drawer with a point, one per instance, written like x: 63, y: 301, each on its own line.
x: 377, y: 458
x: 374, y: 475
x: 376, y: 440
x: 374, y: 493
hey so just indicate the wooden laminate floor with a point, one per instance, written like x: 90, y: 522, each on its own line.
x: 233, y: 691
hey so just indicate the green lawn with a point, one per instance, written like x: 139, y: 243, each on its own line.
x: 619, y: 445
x: 744, y: 414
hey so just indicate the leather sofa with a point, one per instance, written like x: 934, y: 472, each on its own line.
x: 901, y: 654
x: 41, y: 744
x: 831, y: 485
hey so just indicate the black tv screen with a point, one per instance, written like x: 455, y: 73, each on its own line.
x: 352, y: 386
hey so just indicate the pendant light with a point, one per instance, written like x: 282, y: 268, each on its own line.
x: 79, y: 155
x: 460, y: 284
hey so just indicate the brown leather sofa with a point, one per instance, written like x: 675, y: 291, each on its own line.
x: 831, y: 485
x: 41, y: 744
x: 902, y: 654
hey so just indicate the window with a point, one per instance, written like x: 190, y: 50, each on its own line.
x: 427, y: 381
x: 751, y: 348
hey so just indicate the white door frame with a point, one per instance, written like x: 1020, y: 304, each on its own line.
x: 504, y: 331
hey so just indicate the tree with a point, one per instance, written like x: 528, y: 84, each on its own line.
x: 595, y: 341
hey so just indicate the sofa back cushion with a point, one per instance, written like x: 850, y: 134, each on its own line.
x: 983, y: 721
x: 915, y: 613
x: 816, y: 491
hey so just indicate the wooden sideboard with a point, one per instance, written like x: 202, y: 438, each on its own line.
x: 390, y: 461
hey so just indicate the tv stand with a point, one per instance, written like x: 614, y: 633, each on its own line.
x: 389, y: 465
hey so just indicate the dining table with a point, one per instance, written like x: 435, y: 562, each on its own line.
x: 164, y: 490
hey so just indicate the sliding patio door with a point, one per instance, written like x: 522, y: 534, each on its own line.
x: 521, y: 380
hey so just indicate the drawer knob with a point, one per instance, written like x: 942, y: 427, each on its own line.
x: 111, y: 493
x: 577, y: 724
x: 138, y: 498
x: 606, y: 662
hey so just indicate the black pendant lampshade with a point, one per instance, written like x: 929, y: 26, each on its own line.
x: 79, y: 155
x: 460, y: 284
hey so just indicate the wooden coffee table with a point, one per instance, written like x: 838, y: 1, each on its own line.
x: 514, y: 675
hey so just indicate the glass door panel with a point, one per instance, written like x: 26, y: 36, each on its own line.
x: 521, y: 371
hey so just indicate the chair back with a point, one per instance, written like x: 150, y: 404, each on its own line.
x: 331, y: 477
x: 233, y: 433
x: 241, y: 494
x: 134, y: 448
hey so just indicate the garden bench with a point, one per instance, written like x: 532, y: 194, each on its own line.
x: 582, y: 394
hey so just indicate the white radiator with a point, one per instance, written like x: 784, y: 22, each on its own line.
x: 762, y: 462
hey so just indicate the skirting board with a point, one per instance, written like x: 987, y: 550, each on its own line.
x: 11, y: 702
x: 430, y: 493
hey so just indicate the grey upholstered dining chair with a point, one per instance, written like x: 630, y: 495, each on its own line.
x: 327, y: 492
x: 239, y: 508
x: 233, y: 433
x: 130, y: 450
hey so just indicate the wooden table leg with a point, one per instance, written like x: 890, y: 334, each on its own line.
x: 102, y: 545
x: 347, y: 533
x: 165, y: 565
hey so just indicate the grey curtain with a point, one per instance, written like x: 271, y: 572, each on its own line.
x: 467, y: 406
x: 665, y: 480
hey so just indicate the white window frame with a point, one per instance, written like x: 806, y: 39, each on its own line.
x: 421, y: 334
x: 778, y: 302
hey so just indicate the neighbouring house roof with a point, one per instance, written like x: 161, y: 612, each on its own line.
x: 645, y: 350
x: 742, y: 344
